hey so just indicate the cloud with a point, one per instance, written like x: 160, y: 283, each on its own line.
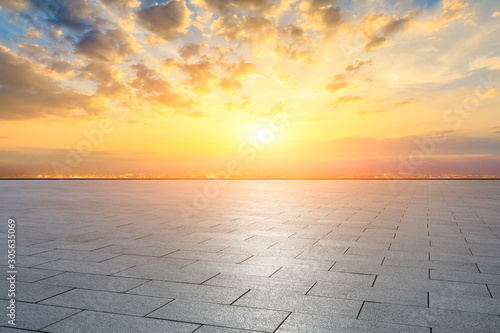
x: 492, y: 63
x: 32, y: 50
x: 26, y: 93
x: 357, y: 65
x: 32, y: 34
x: 377, y: 28
x: 404, y: 102
x: 452, y: 9
x: 227, y: 6
x: 194, y: 114
x: 233, y: 107
x: 323, y: 15
x: 108, y: 78
x: 14, y: 5
x: 151, y: 87
x: 227, y: 27
x: 291, y: 30
x: 345, y: 100
x: 376, y: 42
x: 73, y: 14
x: 112, y: 44
x: 290, y: 53
x: 364, y: 112
x: 237, y: 71
x: 492, y: 93
x: 60, y: 66
x: 190, y: 50
x: 169, y: 20
x: 201, y: 76
x: 121, y: 4
x: 336, y: 83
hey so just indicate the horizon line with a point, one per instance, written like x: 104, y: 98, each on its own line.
x: 249, y: 178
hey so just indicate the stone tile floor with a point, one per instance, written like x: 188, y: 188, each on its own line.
x: 253, y: 256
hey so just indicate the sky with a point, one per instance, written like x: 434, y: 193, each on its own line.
x: 256, y: 88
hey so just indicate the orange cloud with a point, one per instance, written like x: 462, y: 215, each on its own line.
x: 345, y: 100
x: 237, y: 72
x: 151, y: 87
x: 201, y: 76
x: 336, y: 83
x: 26, y: 92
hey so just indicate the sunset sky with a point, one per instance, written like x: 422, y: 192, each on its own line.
x: 250, y: 87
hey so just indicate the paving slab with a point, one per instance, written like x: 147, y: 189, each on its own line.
x: 301, y: 323
x: 465, y: 303
x: 135, y: 305
x: 190, y: 292
x: 293, y: 302
x: 430, y: 317
x: 222, y: 315
x: 93, y: 282
x: 97, y: 322
x: 35, y: 316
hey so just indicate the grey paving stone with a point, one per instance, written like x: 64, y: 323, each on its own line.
x: 289, y: 262
x: 209, y: 256
x: 88, y: 267
x: 28, y: 251
x: 81, y: 246
x: 31, y: 292
x: 215, y: 329
x: 452, y: 287
x: 227, y: 268
x: 433, y: 264
x: 92, y: 281
x: 406, y: 255
x: 14, y: 330
x: 135, y: 305
x: 134, y: 250
x: 465, y: 303
x: 489, y: 268
x: 494, y: 290
x: 374, y: 268
x: 293, y: 302
x: 260, y: 283
x: 35, y: 316
x: 469, y: 258
x: 333, y: 277
x: 430, y: 317
x: 154, y: 272
x: 438, y: 274
x: 297, y: 323
x: 221, y: 315
x: 98, y: 322
x: 134, y: 260
x: 485, y: 250
x: 190, y: 292
x: 76, y: 255
x: 30, y: 261
x: 34, y: 274
x: 386, y: 295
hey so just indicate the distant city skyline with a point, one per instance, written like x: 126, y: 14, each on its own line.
x: 253, y: 88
